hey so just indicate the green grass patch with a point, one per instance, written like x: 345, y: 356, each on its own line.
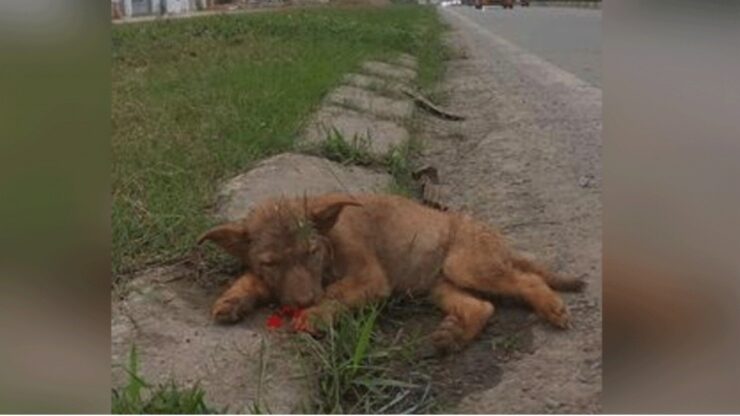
x: 355, y: 151
x: 359, y: 370
x: 198, y: 100
x: 398, y: 164
x: 140, y: 397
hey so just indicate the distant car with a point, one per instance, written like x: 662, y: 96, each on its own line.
x: 506, y: 4
x: 524, y: 3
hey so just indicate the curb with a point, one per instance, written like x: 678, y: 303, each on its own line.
x: 375, y: 117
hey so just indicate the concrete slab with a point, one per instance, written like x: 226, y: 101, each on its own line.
x: 408, y: 61
x: 293, y: 175
x: 166, y: 316
x: 367, y: 101
x: 382, y: 86
x: 386, y: 70
x: 380, y: 136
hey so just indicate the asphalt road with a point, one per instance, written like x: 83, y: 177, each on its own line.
x: 527, y: 160
x: 567, y: 37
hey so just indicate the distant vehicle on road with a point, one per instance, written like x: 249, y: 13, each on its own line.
x: 506, y: 4
x: 524, y: 3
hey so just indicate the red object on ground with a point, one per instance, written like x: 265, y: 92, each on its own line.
x: 275, y: 321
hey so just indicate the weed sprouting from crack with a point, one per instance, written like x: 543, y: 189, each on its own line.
x: 140, y: 397
x: 355, y: 151
x: 398, y: 165
x: 356, y: 368
x: 397, y: 161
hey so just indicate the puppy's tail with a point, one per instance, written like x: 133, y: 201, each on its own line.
x: 557, y: 282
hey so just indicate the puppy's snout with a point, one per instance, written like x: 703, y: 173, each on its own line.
x: 304, y: 299
x: 299, y: 290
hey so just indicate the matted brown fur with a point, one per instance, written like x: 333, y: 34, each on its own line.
x: 338, y: 251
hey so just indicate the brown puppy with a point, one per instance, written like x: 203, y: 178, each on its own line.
x: 302, y: 252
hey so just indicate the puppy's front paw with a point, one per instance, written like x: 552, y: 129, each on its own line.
x: 311, y: 320
x: 230, y: 309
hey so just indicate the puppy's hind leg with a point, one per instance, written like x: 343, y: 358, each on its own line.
x: 538, y: 294
x: 465, y: 319
x: 555, y: 281
x: 472, y: 271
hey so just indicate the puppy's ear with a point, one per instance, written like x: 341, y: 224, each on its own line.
x: 232, y: 237
x: 325, y: 211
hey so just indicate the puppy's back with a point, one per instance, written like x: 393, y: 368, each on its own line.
x: 409, y: 239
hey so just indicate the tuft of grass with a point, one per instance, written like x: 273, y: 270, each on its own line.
x: 398, y: 164
x: 198, y: 100
x: 349, y: 152
x: 140, y: 397
x: 356, y: 369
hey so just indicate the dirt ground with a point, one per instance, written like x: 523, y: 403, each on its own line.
x: 527, y: 160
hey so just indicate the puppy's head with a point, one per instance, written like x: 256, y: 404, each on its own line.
x: 285, y: 243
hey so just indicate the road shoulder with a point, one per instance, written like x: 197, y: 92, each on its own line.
x: 527, y: 160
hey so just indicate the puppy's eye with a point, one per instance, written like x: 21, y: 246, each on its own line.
x: 268, y: 263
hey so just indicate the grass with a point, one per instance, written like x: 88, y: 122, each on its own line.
x: 356, y: 370
x: 198, y: 100
x: 140, y: 397
x: 398, y: 164
x: 356, y: 151
x: 349, y: 152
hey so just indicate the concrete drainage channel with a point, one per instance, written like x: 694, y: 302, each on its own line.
x: 165, y: 314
